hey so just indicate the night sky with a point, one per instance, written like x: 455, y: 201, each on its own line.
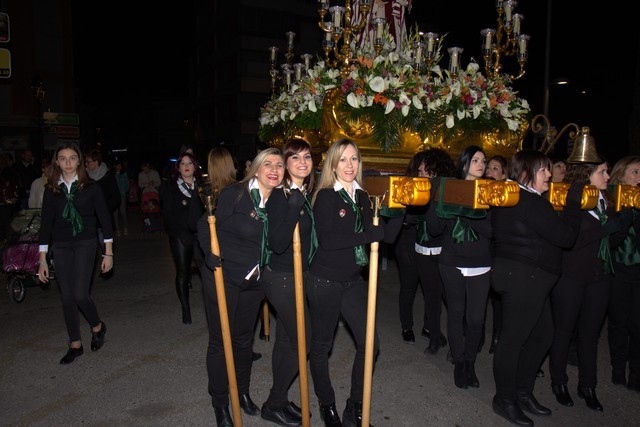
x: 122, y: 48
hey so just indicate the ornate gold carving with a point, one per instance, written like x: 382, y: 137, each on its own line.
x: 498, y: 193
x: 408, y: 191
x: 557, y: 195
x: 626, y: 196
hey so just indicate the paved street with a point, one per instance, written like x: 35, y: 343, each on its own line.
x: 151, y: 370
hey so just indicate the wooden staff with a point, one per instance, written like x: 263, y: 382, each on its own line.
x: 302, y: 342
x: 265, y: 320
x: 371, y: 318
x: 224, y: 319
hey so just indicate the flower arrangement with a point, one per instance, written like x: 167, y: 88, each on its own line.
x: 388, y: 92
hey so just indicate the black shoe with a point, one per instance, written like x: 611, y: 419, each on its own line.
x: 494, y: 344
x: 425, y: 334
x: 470, y: 373
x: 634, y: 382
x: 408, y: 337
x: 589, y: 396
x: 223, y: 417
x: 248, y: 406
x: 281, y: 416
x: 295, y: 409
x: 459, y: 375
x: 72, y: 354
x: 97, y: 338
x: 510, y: 410
x: 329, y: 414
x: 352, y: 415
x: 618, y: 377
x: 529, y: 403
x: 256, y: 356
x: 562, y: 394
x: 435, y: 345
x: 540, y: 373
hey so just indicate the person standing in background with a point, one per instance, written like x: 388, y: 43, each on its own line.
x: 38, y: 185
x: 104, y: 177
x: 149, y: 178
x: 70, y: 206
x: 25, y: 172
x: 181, y: 210
x: 120, y: 215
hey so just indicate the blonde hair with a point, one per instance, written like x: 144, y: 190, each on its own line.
x: 257, y: 162
x: 328, y: 176
x: 220, y: 168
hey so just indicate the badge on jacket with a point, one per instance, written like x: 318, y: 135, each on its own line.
x: 342, y: 213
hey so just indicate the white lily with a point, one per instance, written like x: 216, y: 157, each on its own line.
x: 389, y: 106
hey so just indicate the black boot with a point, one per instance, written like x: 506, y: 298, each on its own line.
x: 459, y: 375
x: 510, y: 410
x: 329, y: 415
x: 589, y: 396
x: 182, y: 288
x: 529, y: 403
x: 223, y: 417
x: 248, y: 406
x: 470, y: 373
x: 562, y: 394
x: 352, y: 415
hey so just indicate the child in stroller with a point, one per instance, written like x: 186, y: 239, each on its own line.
x: 151, y: 215
x: 20, y: 257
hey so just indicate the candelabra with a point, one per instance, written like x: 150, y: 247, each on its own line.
x: 505, y: 40
x: 290, y: 70
x: 540, y: 125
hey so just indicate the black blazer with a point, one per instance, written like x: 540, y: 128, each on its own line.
x: 181, y: 213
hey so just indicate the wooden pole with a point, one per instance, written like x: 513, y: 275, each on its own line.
x: 302, y: 342
x: 371, y: 319
x: 224, y: 321
x: 265, y: 320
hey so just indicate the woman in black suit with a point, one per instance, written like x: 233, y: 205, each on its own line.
x: 71, y: 206
x: 181, y: 210
x: 581, y: 297
x: 528, y: 242
x: 289, y: 204
x: 242, y: 229
x: 344, y: 222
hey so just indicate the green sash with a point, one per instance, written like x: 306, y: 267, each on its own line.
x: 628, y: 253
x: 313, y: 248
x: 265, y: 252
x: 604, y: 251
x: 461, y: 232
x: 358, y: 251
x: 70, y: 213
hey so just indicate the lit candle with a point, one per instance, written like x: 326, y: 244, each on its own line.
x: 419, y: 49
x: 288, y: 76
x: 487, y: 34
x: 337, y: 15
x: 522, y: 44
x: 454, y: 53
x: 379, y: 28
x: 306, y: 57
x: 509, y: 5
x: 290, y: 36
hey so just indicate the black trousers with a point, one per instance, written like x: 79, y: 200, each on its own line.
x: 527, y: 325
x: 466, y: 300
x: 279, y: 288
x: 429, y: 271
x: 580, y: 304
x: 244, y: 299
x: 75, y: 261
x: 406, y: 259
x: 183, y: 257
x: 327, y: 301
x: 624, y: 318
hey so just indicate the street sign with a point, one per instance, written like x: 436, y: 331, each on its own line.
x: 65, y: 132
x: 5, y: 30
x: 5, y: 64
x: 53, y: 118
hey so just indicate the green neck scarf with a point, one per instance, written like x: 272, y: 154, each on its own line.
x: 422, y: 234
x: 628, y: 253
x: 358, y: 251
x: 265, y: 253
x: 313, y: 248
x: 70, y: 213
x: 604, y: 251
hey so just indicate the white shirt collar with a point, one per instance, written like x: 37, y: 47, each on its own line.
x: 254, y: 184
x: 337, y: 186
x: 62, y: 181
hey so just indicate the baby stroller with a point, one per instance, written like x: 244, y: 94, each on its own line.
x: 21, y: 258
x: 151, y: 215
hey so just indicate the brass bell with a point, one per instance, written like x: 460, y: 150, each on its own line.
x: 584, y: 149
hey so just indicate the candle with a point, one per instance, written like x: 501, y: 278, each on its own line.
x: 306, y: 57
x: 516, y: 23
x: 327, y: 36
x: 298, y: 68
x: 288, y: 75
x: 508, y: 8
x: 274, y: 53
x: 431, y: 39
x: 487, y: 34
x: 454, y: 53
x: 380, y: 27
x: 337, y: 15
x: 290, y: 36
x: 419, y: 53
x: 522, y: 44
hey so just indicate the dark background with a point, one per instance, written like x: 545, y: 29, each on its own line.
x: 125, y: 48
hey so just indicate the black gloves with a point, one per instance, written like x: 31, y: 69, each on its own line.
x: 212, y: 261
x: 626, y: 218
x: 435, y: 186
x: 574, y: 195
x: 374, y: 234
x: 296, y: 199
